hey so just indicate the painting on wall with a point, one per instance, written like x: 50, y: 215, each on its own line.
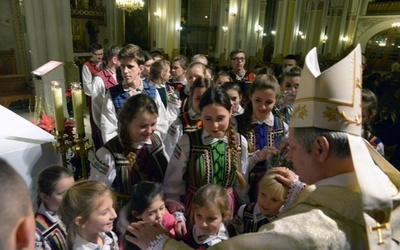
x: 137, y: 27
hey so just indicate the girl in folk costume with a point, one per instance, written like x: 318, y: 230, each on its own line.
x: 190, y: 120
x: 211, y: 211
x: 136, y: 153
x: 159, y: 75
x: 235, y: 94
x: 274, y: 196
x: 148, y: 205
x: 369, y: 108
x: 87, y: 210
x: 214, y: 154
x: 262, y: 129
x: 53, y: 182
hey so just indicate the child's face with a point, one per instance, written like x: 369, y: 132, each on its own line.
x: 208, y: 219
x: 235, y: 99
x: 130, y: 70
x: 221, y: 79
x: 155, y: 212
x: 101, y: 219
x: 142, y: 126
x: 263, y: 101
x: 196, y: 96
x: 291, y: 83
x: 166, y: 74
x: 193, y: 73
x: 215, y: 119
x: 269, y: 203
x: 177, y: 72
x: 53, y: 201
x: 365, y: 114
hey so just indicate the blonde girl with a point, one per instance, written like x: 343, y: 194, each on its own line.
x: 270, y: 199
x: 87, y: 211
x: 159, y: 76
x: 214, y: 154
x: 190, y: 120
x: 210, y: 207
x: 262, y: 129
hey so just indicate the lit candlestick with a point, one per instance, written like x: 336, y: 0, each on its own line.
x: 57, y: 95
x: 77, y: 103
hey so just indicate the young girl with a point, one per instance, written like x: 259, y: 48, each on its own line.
x: 53, y: 182
x: 289, y: 86
x: 270, y: 201
x: 190, y: 120
x: 194, y: 70
x: 159, y: 75
x: 369, y: 108
x: 147, y: 204
x: 214, y: 154
x: 87, y: 210
x: 211, y: 211
x: 235, y: 94
x: 135, y: 154
x: 262, y: 129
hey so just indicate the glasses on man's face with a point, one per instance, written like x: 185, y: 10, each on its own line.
x: 237, y: 59
x: 99, y: 54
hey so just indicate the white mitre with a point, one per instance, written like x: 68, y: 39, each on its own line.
x: 332, y: 100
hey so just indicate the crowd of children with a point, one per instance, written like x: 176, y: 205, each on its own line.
x: 179, y: 151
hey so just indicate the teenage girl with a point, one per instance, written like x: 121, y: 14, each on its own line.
x: 262, y: 129
x: 211, y: 212
x: 53, y: 182
x: 369, y: 108
x: 87, y: 211
x: 235, y: 94
x: 135, y: 154
x: 214, y: 154
x: 159, y: 76
x: 190, y: 120
x: 147, y: 204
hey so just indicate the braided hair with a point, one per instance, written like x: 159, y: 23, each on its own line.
x: 216, y: 95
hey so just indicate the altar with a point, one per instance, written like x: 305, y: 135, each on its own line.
x: 26, y: 147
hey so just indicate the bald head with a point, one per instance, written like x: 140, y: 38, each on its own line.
x: 16, y: 214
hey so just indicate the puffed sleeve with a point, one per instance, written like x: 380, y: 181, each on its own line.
x: 243, y: 168
x: 174, y: 183
x: 102, y: 167
x: 108, y: 120
x: 174, y: 133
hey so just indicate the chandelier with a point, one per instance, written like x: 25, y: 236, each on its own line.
x: 129, y: 5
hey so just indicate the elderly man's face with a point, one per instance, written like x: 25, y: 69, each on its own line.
x: 304, y: 162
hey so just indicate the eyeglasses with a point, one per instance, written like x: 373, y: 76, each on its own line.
x: 237, y: 59
x: 99, y: 54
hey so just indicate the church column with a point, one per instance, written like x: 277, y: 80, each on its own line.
x: 165, y: 21
x: 315, y: 26
x: 223, y: 31
x: 50, y: 35
x: 285, y: 30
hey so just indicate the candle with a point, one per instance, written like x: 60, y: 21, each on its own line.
x: 57, y: 95
x: 77, y: 104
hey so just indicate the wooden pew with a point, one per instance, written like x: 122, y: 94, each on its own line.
x: 13, y: 86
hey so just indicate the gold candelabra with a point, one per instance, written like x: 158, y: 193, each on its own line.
x: 81, y: 149
x: 62, y: 145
